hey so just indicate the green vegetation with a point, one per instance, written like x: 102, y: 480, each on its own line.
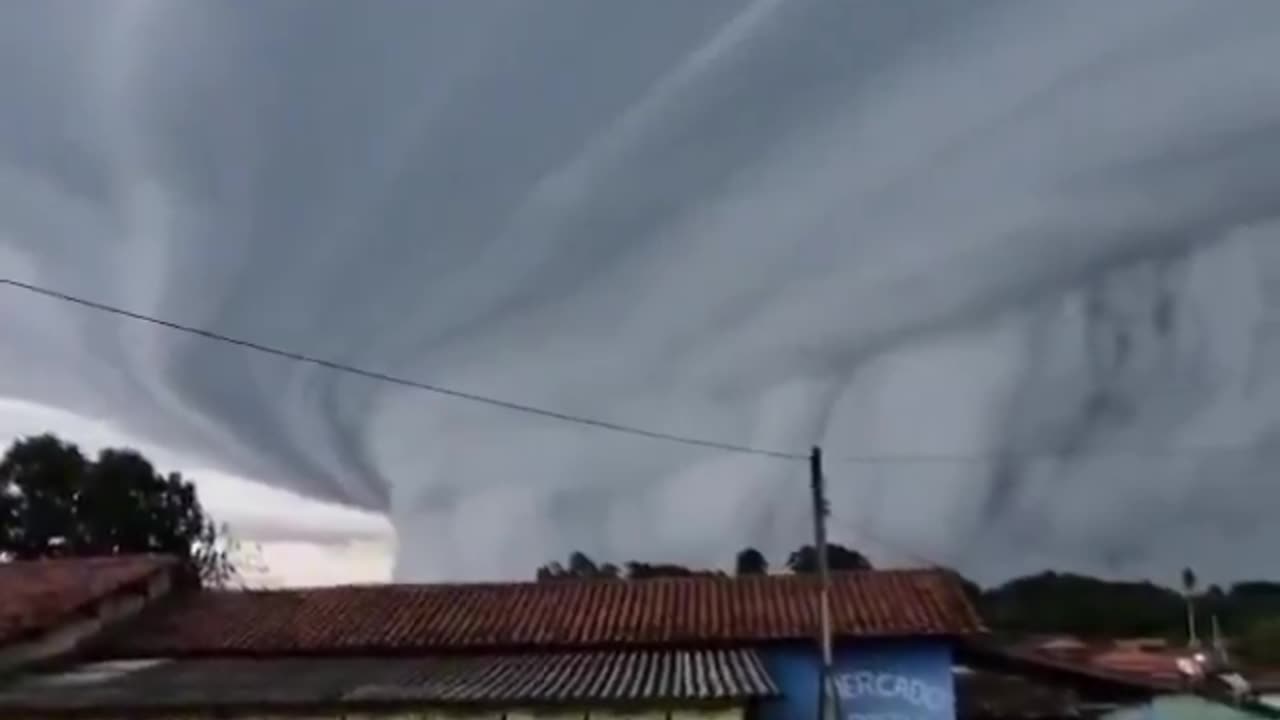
x: 1260, y: 641
x: 55, y: 502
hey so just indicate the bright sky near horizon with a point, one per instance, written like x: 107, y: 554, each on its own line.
x: 286, y: 540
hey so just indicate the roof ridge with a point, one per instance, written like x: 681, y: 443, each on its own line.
x: 779, y: 578
x: 38, y: 595
x: 560, y: 614
x: 126, y: 558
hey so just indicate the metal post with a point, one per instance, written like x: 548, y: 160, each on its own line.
x: 826, y: 694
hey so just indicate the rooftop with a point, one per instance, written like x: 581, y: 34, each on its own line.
x: 1118, y: 670
x: 36, y: 596
x: 165, y: 687
x: 664, y: 612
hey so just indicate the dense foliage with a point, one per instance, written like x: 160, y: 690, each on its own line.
x: 55, y: 502
x: 1260, y: 641
x: 749, y: 562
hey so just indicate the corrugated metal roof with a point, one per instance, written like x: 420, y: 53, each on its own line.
x: 618, y: 677
x: 570, y: 677
x: 565, y: 614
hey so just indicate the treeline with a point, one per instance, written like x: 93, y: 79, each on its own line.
x: 1045, y: 603
x: 57, y: 502
x: 749, y: 561
x: 1248, y: 613
x: 1086, y: 606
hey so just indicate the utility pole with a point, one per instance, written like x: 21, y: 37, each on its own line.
x: 826, y: 691
x: 1219, y: 648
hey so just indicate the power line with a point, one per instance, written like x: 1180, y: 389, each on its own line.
x: 994, y: 456
x: 893, y: 547
x: 404, y: 382
x: 906, y: 458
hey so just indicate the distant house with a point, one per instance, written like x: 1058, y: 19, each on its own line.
x: 50, y: 608
x: 1112, y: 680
x: 662, y: 648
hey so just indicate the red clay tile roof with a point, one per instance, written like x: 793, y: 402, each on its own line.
x: 1077, y: 666
x: 37, y: 595
x: 1161, y: 666
x: 562, y: 614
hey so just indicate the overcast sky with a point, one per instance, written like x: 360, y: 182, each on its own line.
x: 1018, y: 260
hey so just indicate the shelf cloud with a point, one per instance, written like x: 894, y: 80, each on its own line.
x: 1014, y: 265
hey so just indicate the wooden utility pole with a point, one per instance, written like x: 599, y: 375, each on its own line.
x: 826, y: 694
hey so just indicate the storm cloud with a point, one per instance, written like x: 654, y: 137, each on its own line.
x: 1015, y: 265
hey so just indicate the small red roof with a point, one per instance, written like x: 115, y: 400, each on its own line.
x: 1073, y: 667
x: 1159, y: 665
x: 39, y: 595
x: 560, y: 614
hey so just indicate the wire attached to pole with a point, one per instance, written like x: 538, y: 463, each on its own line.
x: 405, y: 382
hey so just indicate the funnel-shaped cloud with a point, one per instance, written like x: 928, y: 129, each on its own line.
x: 1010, y: 241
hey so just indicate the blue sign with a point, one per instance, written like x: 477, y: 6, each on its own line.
x: 907, y: 680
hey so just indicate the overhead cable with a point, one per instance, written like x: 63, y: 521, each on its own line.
x: 404, y: 382
x: 895, y: 458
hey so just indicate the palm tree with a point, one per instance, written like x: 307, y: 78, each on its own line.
x: 1188, y: 592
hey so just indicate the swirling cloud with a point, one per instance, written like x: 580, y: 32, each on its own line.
x: 939, y: 234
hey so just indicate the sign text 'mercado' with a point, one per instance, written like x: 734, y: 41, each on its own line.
x: 882, y: 685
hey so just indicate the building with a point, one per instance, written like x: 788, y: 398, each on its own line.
x: 111, y: 638
x: 114, y: 642
x: 1110, y: 680
x: 49, y: 609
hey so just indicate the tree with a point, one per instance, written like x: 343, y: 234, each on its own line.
x: 580, y: 566
x: 551, y: 571
x: 1260, y: 642
x: 751, y: 561
x: 971, y: 589
x: 54, y: 502
x: 805, y: 560
x: 644, y: 571
x: 1052, y: 602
